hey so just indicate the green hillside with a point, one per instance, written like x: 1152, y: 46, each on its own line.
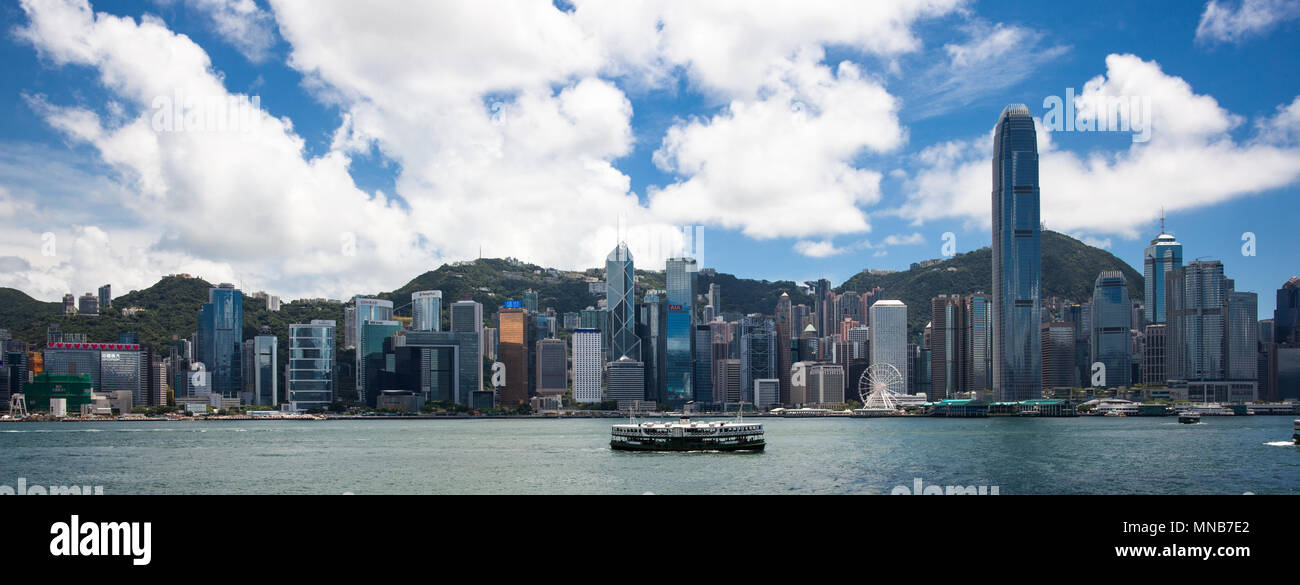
x: 171, y: 305
x: 1070, y: 268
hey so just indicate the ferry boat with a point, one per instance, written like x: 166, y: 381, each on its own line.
x: 1189, y: 418
x: 684, y: 435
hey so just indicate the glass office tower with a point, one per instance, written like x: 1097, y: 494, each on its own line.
x: 1197, y: 294
x: 1112, y: 319
x: 1162, y: 256
x: 680, y: 276
x: 620, y: 293
x: 1017, y: 256
x: 981, y: 341
x: 221, y: 344
x: 311, y: 365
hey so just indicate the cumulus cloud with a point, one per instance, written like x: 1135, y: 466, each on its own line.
x: 732, y: 48
x: 1191, y: 161
x: 247, y: 196
x: 783, y: 165
x: 1224, y: 22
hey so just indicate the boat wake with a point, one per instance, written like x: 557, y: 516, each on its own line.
x: 1282, y: 444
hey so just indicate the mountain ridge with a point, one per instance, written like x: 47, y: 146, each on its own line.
x: 170, y: 305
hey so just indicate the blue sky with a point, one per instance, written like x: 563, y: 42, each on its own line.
x: 808, y: 141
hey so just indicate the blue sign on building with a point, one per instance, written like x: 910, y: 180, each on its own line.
x: 514, y: 304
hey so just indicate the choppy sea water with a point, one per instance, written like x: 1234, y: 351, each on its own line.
x: 1086, y: 455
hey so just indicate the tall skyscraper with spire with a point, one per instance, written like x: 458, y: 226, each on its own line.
x: 620, y: 295
x: 1163, y: 256
x: 1017, y: 257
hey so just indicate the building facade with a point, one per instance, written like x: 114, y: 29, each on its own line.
x: 680, y: 276
x: 312, y: 378
x: 1017, y: 257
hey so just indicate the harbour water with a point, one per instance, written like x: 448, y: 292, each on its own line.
x: 1085, y: 455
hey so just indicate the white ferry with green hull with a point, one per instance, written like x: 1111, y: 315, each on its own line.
x: 684, y: 435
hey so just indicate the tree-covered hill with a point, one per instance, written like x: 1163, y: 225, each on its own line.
x: 1070, y: 269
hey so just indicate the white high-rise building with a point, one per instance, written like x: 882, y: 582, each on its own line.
x: 586, y: 365
x: 889, y: 336
x: 426, y: 310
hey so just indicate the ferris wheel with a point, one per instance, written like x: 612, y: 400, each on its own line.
x: 880, y: 386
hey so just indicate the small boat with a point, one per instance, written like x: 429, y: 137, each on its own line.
x: 1189, y: 418
x: 1113, y: 413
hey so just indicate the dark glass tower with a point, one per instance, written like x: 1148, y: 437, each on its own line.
x: 680, y: 276
x: 1017, y: 251
x: 221, y: 345
x: 620, y: 291
x: 1112, y: 319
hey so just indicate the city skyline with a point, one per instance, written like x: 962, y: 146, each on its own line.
x: 904, y: 156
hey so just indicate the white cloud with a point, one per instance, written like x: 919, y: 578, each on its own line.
x: 826, y: 248
x: 1283, y: 127
x: 783, y: 166
x: 995, y: 57
x: 732, y: 48
x: 817, y: 249
x: 246, y: 198
x: 242, y: 23
x: 1191, y: 161
x: 1225, y: 23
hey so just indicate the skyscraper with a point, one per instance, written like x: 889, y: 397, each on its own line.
x: 1112, y: 319
x: 620, y: 293
x: 375, y: 356
x: 426, y: 310
x: 106, y: 297
x: 1058, y: 355
x: 680, y: 276
x: 652, y: 324
x: 220, y: 339
x: 1286, y: 315
x: 1242, y: 336
x: 311, y: 365
x: 1153, y: 354
x: 513, y: 352
x: 530, y: 301
x: 262, y: 381
x: 949, y: 347
x: 552, y: 367
x: 466, y: 316
x: 757, y: 353
x: 365, y: 310
x: 979, y: 308
x: 1017, y: 257
x: 785, y: 327
x: 703, y: 364
x: 1163, y: 255
x: 1196, y: 294
x: 889, y: 337
x: 626, y: 382
x: 586, y: 365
